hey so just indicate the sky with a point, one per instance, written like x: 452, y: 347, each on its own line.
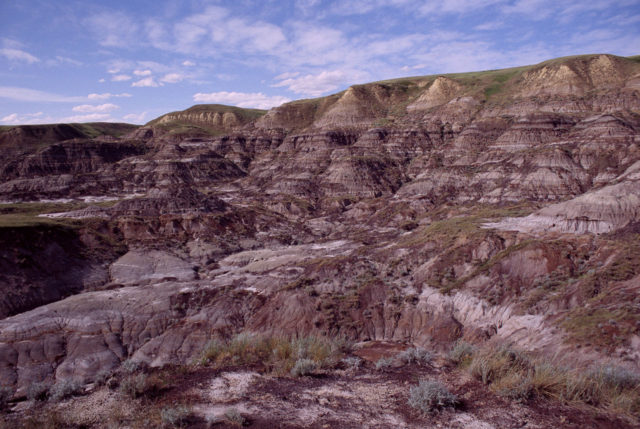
x: 132, y: 61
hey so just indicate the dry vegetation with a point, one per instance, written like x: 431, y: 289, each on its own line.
x: 521, y: 377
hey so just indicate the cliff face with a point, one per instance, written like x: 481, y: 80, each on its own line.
x: 483, y: 205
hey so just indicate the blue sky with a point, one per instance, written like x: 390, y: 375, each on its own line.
x: 131, y: 61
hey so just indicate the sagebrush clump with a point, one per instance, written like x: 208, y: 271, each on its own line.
x: 429, y: 396
x: 461, y: 352
x: 383, y: 364
x: 303, y: 367
x: 64, y: 389
x: 38, y: 391
x: 234, y: 417
x: 415, y: 355
x: 175, y: 417
x: 5, y: 396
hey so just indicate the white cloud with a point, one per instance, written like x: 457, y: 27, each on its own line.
x: 438, y: 7
x: 142, y: 72
x: 534, y: 9
x: 59, y: 60
x: 113, y: 29
x: 318, y: 84
x: 18, y: 55
x: 107, y: 95
x: 188, y: 63
x: 10, y: 119
x: 214, y: 31
x: 489, y: 26
x: 27, y: 118
x: 172, y: 78
x: 416, y: 67
x: 102, y: 80
x: 135, y: 118
x: 286, y: 75
x: 88, y: 108
x: 113, y: 71
x: 146, y: 82
x: 91, y: 117
x: 27, y: 94
x: 121, y: 78
x: 256, y: 100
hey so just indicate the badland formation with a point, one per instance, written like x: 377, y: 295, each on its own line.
x: 476, y: 236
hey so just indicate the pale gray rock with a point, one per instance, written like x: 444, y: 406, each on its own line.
x: 140, y: 267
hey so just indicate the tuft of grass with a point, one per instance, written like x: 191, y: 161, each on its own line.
x: 273, y: 354
x: 520, y: 377
x: 430, y: 396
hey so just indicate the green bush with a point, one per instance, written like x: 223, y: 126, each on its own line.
x: 429, y: 396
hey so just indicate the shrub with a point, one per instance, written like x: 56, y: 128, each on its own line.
x: 277, y: 354
x: 64, y: 389
x: 430, y: 396
x: 461, y: 352
x: 138, y: 385
x: 617, y: 378
x: 352, y: 362
x: 514, y: 386
x: 582, y: 388
x: 490, y: 365
x: 415, y: 354
x: 234, y: 417
x: 37, y: 391
x: 131, y: 366
x: 547, y: 380
x: 101, y: 377
x: 175, y: 417
x: 384, y: 364
x: 515, y: 375
x: 303, y: 367
x: 211, y: 351
x: 5, y: 396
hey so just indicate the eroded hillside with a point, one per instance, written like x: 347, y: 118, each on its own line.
x: 499, y: 207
